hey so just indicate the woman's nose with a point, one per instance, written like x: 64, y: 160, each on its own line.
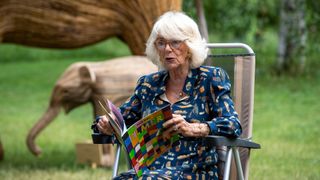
x: 167, y: 47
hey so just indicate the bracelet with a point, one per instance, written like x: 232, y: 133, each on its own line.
x: 202, y: 129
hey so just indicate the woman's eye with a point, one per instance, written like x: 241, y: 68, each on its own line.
x: 175, y: 43
x: 161, y: 43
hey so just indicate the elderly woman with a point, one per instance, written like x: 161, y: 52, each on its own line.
x: 199, y: 97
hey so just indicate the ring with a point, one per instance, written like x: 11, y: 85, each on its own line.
x: 175, y: 128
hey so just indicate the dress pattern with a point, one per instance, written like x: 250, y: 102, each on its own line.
x: 207, y: 100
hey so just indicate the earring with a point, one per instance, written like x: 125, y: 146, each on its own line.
x: 189, y: 55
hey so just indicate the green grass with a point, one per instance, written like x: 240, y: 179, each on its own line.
x: 286, y: 124
x: 286, y: 117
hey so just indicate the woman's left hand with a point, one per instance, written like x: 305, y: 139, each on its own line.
x: 179, y: 125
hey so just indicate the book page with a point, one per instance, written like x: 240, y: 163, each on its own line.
x: 114, y: 116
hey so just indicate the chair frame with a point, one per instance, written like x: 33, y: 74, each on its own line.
x: 234, y: 144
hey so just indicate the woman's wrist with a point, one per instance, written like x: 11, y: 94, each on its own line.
x: 205, y: 129
x: 201, y: 129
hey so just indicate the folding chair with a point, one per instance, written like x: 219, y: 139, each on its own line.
x: 242, y: 75
x: 241, y: 69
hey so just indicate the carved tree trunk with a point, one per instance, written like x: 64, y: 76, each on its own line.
x: 292, y: 37
x: 77, y: 23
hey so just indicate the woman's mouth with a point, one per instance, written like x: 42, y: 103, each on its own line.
x: 170, y: 59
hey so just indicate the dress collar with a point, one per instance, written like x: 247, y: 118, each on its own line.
x: 187, y: 87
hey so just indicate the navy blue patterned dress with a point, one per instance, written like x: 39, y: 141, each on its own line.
x: 207, y: 100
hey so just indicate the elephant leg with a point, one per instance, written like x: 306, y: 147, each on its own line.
x: 43, y: 122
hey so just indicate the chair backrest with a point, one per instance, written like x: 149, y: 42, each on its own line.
x: 241, y: 69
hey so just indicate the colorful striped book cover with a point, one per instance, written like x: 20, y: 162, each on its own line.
x: 145, y: 140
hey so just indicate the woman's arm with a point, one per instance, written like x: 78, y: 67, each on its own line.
x: 225, y: 121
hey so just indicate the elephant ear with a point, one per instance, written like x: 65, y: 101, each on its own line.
x: 87, y: 76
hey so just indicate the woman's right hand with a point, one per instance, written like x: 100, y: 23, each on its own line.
x: 104, y: 126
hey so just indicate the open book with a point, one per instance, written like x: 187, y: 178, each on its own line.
x: 146, y: 139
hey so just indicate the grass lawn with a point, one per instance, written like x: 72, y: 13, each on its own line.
x: 286, y: 119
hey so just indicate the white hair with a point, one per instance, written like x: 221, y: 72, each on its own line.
x: 177, y: 26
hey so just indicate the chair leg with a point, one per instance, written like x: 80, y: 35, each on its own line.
x: 116, y: 161
x: 238, y: 162
x: 221, y: 165
x: 222, y: 156
x: 227, y: 165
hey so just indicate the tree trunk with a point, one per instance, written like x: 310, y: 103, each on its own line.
x: 77, y: 23
x: 292, y: 37
x: 202, y: 24
x: 202, y: 20
x: 1, y: 151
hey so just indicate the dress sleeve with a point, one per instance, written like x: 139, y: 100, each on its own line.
x: 225, y: 120
x: 131, y: 109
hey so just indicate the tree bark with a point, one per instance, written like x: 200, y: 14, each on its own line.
x: 292, y: 37
x: 202, y: 23
x: 1, y: 151
x: 202, y: 20
x: 77, y: 23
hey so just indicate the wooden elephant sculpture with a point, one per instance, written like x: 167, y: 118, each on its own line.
x: 83, y: 81
x: 77, y: 23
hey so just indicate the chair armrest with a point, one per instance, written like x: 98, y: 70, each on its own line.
x: 98, y: 138
x: 233, y: 142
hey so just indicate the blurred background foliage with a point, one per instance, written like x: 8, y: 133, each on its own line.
x: 244, y: 19
x: 257, y: 23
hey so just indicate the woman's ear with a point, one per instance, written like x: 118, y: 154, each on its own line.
x: 189, y: 58
x: 189, y: 55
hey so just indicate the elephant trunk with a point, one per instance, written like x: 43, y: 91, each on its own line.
x: 43, y: 122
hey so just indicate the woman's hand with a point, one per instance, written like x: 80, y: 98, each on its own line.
x: 104, y: 126
x: 179, y: 125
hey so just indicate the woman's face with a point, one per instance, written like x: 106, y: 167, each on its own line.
x: 173, y: 53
